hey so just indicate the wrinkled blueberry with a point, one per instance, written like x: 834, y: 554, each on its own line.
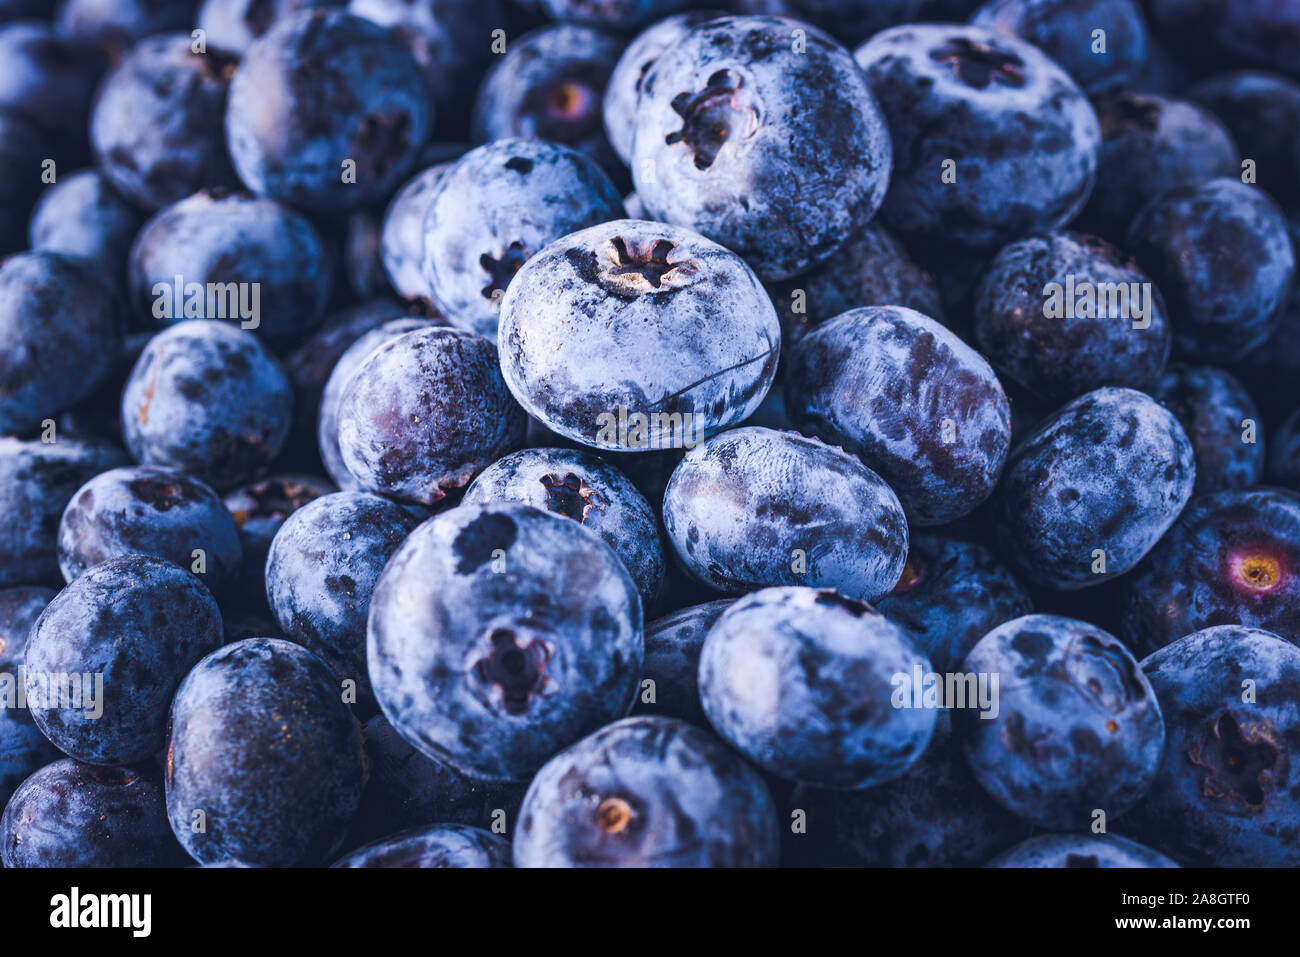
x: 1220, y: 418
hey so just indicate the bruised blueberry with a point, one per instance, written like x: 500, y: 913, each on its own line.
x: 647, y: 792
x: 1093, y: 488
x: 1221, y: 419
x: 1080, y: 851
x: 443, y: 845
x: 499, y: 634
x: 911, y: 400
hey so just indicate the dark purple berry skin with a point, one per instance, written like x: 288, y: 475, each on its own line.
x: 1022, y: 134
x: 261, y: 741
x: 1262, y: 111
x: 934, y: 815
x: 1077, y: 726
x: 327, y: 421
x: 22, y: 151
x: 321, y: 570
x: 632, y: 318
x: 871, y: 269
x: 950, y: 595
x: 149, y: 510
x: 62, y: 328
x: 49, y: 80
x: 672, y: 662
x: 115, y: 25
x: 1221, y: 254
x: 403, y: 438
x: 579, y: 485
x: 1262, y: 32
x: 154, y: 129
x: 754, y: 507
x: 23, y: 748
x: 800, y: 681
x: 1284, y: 454
x: 622, y: 15
x: 648, y: 792
x: 443, y: 845
x: 497, y: 206
x: 84, y: 215
x: 319, y: 88
x: 25, y: 10
x: 36, y: 483
x: 1272, y: 370
x: 1215, y: 410
x: 452, y: 43
x: 1045, y: 320
x: 407, y: 789
x: 850, y: 21
x: 1233, y: 557
x: 233, y: 239
x: 234, y: 24
x: 70, y: 814
x: 1080, y: 850
x: 910, y: 399
x: 1063, y: 29
x: 776, y: 152
x: 1151, y: 143
x: 1108, y: 472
x: 141, y: 623
x: 205, y: 398
x: 499, y: 634
x: 1225, y: 793
x: 548, y: 86
x: 401, y: 236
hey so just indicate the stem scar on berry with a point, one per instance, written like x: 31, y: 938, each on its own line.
x: 1242, y: 759
x: 501, y: 269
x: 570, y: 496
x: 517, y: 668
x: 614, y: 815
x: 979, y: 64
x: 712, y: 117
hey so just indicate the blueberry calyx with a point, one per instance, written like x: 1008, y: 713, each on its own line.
x: 979, y: 64
x: 711, y: 117
x: 1259, y: 572
x: 1242, y: 759
x: 629, y: 266
x: 570, y: 496
x: 517, y: 668
x: 159, y: 493
x: 501, y: 269
x: 614, y: 815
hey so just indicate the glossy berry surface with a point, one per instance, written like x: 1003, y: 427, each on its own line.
x: 1080, y: 851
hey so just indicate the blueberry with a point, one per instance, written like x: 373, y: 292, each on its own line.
x: 452, y: 41
x: 115, y: 25
x: 321, y: 570
x: 402, y: 235
x: 22, y: 151
x: 23, y: 748
x: 262, y: 747
x: 1284, y: 453
x: 443, y: 845
x: 801, y: 682
x: 234, y: 24
x: 499, y: 634
x: 1093, y: 488
x: 497, y: 206
x: 1077, y: 727
x: 1064, y: 313
x: 70, y: 814
x: 672, y: 662
x: 230, y: 256
x: 327, y: 421
x: 775, y: 149
x: 1262, y: 111
x: 1233, y: 557
x: 152, y: 127
x: 633, y: 335
x: 852, y: 21
x: 580, y: 486
x: 870, y: 269
x: 326, y: 110
x: 1080, y: 850
x: 623, y: 91
x: 206, y: 399
x: 62, y: 328
x: 84, y: 215
x: 993, y: 111
x: 1150, y: 143
x: 910, y: 399
x: 548, y: 86
x: 49, y: 79
x: 1220, y: 253
x: 37, y: 480
x: 1265, y: 32
x: 407, y: 789
x: 1272, y: 370
x: 1065, y: 31
x: 621, y: 15
x: 1225, y: 792
x: 135, y: 623
x: 647, y: 792
x: 405, y: 440
x: 933, y: 815
x: 755, y: 507
x: 149, y: 510
x: 1218, y: 414
x: 950, y: 595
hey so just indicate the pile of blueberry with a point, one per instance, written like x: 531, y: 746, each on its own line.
x: 458, y: 433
